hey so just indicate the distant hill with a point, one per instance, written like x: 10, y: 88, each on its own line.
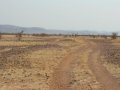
x: 38, y: 30
x: 16, y: 29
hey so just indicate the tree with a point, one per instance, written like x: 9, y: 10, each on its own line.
x: 114, y: 35
x: 104, y: 36
x: 94, y: 36
x: 0, y: 35
x: 43, y: 34
x: 19, y: 35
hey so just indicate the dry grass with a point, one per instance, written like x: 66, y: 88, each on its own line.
x: 37, y: 76
x: 33, y: 69
x: 82, y: 77
x: 30, y: 71
x: 21, y: 43
x: 111, y: 59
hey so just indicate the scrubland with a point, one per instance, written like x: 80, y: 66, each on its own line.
x: 58, y: 63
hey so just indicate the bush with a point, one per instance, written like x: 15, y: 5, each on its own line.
x: 114, y: 35
x: 19, y: 35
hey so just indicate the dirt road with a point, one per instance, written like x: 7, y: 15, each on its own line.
x: 101, y: 73
x: 61, y: 77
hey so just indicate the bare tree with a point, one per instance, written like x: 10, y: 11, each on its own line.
x: 114, y: 35
x: 0, y: 35
x: 19, y: 35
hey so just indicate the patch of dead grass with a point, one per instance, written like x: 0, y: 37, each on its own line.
x: 37, y: 77
x: 20, y: 43
x: 82, y: 77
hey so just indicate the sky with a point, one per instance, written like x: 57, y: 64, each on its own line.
x: 62, y: 14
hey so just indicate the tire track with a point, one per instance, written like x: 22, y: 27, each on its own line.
x: 61, y: 77
x: 102, y: 75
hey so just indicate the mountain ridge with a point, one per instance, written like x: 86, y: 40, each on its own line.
x: 38, y: 30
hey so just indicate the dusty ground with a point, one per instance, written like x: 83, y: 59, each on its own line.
x: 59, y: 63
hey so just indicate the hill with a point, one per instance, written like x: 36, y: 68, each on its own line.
x: 31, y: 30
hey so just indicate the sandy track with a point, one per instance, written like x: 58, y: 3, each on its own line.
x: 102, y: 75
x: 61, y: 76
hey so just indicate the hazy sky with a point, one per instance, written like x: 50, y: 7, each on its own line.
x: 62, y: 14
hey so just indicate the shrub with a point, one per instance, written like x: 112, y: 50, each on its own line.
x: 114, y: 35
x: 19, y: 35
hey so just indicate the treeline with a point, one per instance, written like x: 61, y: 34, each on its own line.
x: 114, y: 35
x: 20, y: 34
x: 44, y: 34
